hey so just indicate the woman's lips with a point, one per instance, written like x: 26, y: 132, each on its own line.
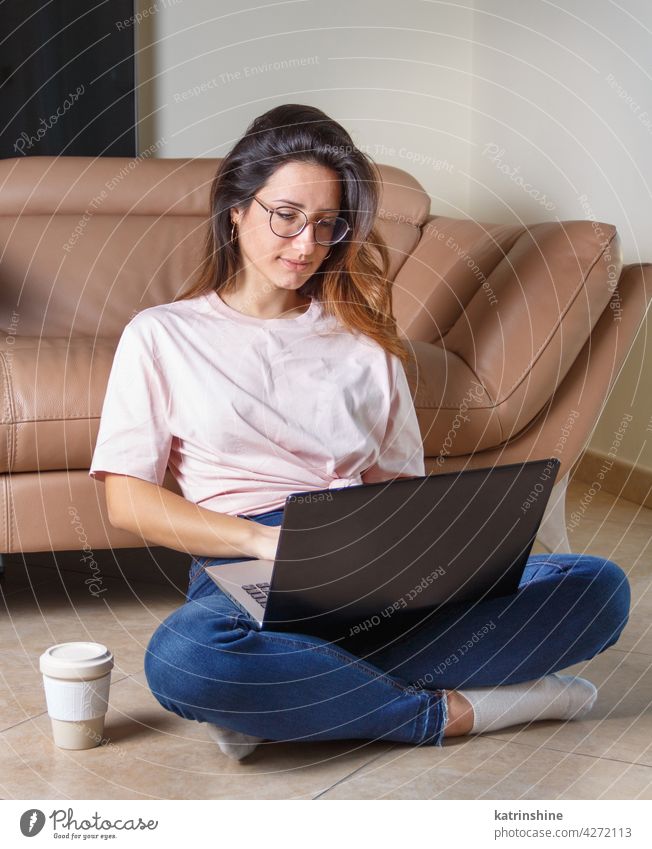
x: 294, y: 266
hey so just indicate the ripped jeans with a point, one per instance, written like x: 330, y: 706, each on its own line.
x: 208, y: 661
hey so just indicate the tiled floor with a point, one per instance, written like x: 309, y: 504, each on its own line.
x: 151, y: 753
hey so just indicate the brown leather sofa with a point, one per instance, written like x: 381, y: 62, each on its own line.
x: 519, y: 332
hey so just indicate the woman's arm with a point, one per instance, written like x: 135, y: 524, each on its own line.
x: 165, y: 518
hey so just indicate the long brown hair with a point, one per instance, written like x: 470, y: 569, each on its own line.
x: 352, y: 282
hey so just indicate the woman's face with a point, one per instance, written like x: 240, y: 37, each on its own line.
x: 312, y: 188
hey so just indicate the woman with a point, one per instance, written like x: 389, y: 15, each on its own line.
x: 281, y: 371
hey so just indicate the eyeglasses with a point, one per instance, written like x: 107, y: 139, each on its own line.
x: 288, y: 221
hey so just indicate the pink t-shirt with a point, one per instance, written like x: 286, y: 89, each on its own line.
x: 246, y: 410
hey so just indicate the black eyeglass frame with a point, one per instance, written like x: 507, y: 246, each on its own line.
x: 304, y: 225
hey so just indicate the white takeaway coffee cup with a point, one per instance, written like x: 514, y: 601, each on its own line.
x: 76, y: 678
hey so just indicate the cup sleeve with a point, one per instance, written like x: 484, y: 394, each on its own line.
x: 401, y: 450
x: 134, y: 435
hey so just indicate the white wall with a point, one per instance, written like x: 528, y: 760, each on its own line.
x: 396, y: 75
x: 562, y: 98
x: 467, y: 97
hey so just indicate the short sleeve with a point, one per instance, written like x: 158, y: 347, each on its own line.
x: 401, y: 451
x: 134, y: 436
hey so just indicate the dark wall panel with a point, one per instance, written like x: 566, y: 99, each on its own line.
x: 67, y: 78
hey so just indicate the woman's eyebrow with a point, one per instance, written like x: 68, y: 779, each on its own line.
x: 300, y: 205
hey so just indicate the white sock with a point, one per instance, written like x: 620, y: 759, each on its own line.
x: 551, y: 697
x: 235, y: 744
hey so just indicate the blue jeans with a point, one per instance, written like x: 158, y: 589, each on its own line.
x: 208, y: 661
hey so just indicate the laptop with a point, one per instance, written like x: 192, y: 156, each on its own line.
x: 380, y: 556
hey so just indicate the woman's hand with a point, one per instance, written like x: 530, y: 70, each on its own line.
x: 265, y: 540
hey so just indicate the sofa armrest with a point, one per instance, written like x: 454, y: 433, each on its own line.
x: 507, y: 355
x: 565, y: 424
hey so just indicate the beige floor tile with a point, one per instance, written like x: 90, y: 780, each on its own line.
x: 481, y: 767
x: 611, y: 527
x: 124, y: 618
x: 628, y: 545
x: 604, y: 505
x: 148, y: 752
x: 21, y: 691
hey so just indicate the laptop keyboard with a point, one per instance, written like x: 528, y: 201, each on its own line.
x: 259, y: 592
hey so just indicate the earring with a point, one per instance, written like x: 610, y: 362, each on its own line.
x: 233, y: 232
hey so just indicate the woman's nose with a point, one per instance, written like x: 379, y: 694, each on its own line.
x: 305, y: 241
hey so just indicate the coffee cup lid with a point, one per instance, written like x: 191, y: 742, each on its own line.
x: 76, y: 661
